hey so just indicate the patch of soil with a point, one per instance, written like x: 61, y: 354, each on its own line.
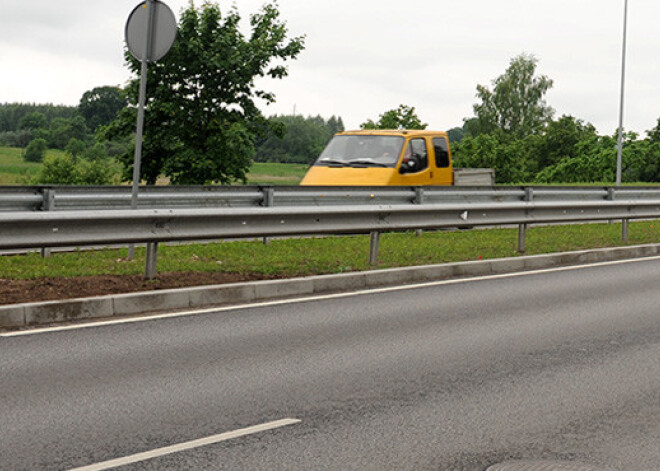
x: 48, y: 289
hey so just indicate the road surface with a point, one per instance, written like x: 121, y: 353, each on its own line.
x: 555, y: 365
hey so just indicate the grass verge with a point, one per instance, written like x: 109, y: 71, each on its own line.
x: 322, y: 255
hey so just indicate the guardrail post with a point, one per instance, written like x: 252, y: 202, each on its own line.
x: 419, y: 199
x: 610, y: 197
x: 522, y: 234
x: 269, y: 199
x: 152, y: 258
x: 522, y: 228
x: 373, y: 248
x: 48, y: 204
x: 611, y: 193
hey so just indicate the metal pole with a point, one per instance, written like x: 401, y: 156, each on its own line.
x: 48, y: 205
x: 623, y: 80
x: 373, y: 248
x: 269, y: 199
x: 419, y: 199
x: 152, y: 255
x: 137, y: 158
x: 522, y: 228
x: 522, y: 234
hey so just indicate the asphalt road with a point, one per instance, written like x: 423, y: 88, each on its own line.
x: 563, y: 365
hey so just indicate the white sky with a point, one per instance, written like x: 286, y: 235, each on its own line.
x: 364, y: 57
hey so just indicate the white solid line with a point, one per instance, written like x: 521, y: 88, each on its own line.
x: 128, y: 320
x: 186, y: 445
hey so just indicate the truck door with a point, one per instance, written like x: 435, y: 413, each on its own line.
x: 414, y: 165
x: 444, y: 174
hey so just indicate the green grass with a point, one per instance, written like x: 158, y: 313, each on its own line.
x: 309, y: 256
x: 14, y: 170
x: 276, y: 174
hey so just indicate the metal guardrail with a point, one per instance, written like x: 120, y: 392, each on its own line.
x: 65, y: 198
x: 75, y: 216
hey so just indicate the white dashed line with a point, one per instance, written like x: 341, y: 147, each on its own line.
x: 186, y: 445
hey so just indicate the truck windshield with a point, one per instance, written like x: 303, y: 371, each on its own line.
x: 361, y: 151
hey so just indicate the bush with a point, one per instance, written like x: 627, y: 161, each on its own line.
x: 35, y: 150
x: 63, y: 170
x: 16, y: 138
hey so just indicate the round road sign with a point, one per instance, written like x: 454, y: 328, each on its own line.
x: 163, y: 30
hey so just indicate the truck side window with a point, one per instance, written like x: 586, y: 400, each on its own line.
x: 441, y: 152
x: 415, y: 159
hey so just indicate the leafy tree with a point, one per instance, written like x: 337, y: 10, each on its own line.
x: 35, y: 150
x: 560, y: 140
x: 654, y: 134
x: 63, y: 130
x: 101, y: 105
x: 335, y: 125
x: 97, y: 152
x: 403, y: 117
x: 516, y: 104
x: 507, y: 155
x: 75, y: 147
x: 201, y: 121
x: 34, y: 120
x: 456, y: 134
x: 595, y: 161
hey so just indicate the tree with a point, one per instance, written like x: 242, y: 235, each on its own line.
x: 97, y: 152
x: 560, y: 140
x: 35, y: 150
x: 654, y: 134
x: 202, y: 120
x: 63, y: 130
x: 509, y: 156
x: 101, y: 105
x: 403, y: 117
x: 516, y: 105
x: 34, y: 120
x: 456, y: 134
x: 75, y: 147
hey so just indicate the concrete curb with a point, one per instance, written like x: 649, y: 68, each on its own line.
x: 49, y: 312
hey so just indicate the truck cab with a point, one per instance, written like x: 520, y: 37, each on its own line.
x: 383, y: 158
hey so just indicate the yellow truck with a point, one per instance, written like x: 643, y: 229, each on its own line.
x: 391, y: 158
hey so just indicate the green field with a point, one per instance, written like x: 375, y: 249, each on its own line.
x: 319, y: 255
x: 262, y: 173
x: 14, y: 171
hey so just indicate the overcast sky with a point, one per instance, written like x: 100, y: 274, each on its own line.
x: 364, y: 57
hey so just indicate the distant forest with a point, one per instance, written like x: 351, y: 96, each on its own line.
x: 293, y: 138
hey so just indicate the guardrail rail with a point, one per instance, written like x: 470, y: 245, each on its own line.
x: 80, y: 216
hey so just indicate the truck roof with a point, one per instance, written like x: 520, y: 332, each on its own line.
x: 394, y: 132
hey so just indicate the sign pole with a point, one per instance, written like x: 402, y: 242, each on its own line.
x: 137, y: 158
x: 623, y: 82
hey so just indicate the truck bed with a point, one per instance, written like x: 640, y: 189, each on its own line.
x: 474, y: 177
